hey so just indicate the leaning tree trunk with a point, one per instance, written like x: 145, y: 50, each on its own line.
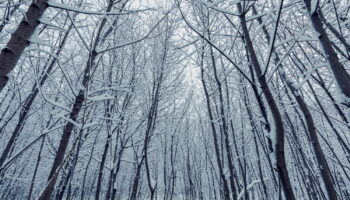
x: 224, y: 126
x: 341, y: 76
x: 311, y: 129
x: 77, y: 106
x: 104, y: 156
x: 276, y: 115
x: 226, y: 189
x: 20, y: 39
x: 36, y: 169
x: 30, y: 99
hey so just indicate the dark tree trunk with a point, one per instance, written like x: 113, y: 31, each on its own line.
x: 29, y: 101
x: 341, y: 76
x: 20, y: 39
x: 279, y: 146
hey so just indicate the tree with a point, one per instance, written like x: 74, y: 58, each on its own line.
x: 20, y: 39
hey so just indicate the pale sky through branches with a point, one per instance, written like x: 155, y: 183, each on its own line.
x: 175, y: 100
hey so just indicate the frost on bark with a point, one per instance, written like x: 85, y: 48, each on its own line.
x: 277, y: 128
x: 340, y: 74
x: 20, y: 39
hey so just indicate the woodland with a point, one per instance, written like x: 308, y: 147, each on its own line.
x: 175, y: 99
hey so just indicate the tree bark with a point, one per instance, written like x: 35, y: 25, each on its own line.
x: 30, y: 100
x: 213, y: 130
x: 276, y: 115
x: 341, y: 76
x: 19, y: 40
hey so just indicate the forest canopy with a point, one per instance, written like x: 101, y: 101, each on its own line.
x: 175, y: 99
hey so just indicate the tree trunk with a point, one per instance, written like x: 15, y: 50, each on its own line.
x: 341, y: 76
x: 213, y: 130
x: 20, y: 39
x: 277, y: 118
x: 30, y: 99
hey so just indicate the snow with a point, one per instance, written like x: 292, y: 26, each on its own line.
x: 125, y: 88
x: 23, y: 12
x: 290, y: 82
x: 212, y: 4
x: 218, y: 121
x: 128, y: 161
x: 101, y: 97
x: 317, y: 35
x: 11, y: 31
x: 45, y: 20
x: 272, y: 136
x: 45, y: 131
x: 307, y: 38
x: 43, y: 50
x: 343, y: 99
x: 289, y: 4
x: 54, y: 4
x: 226, y: 11
x: 308, y: 74
x: 57, y: 104
x: 313, y: 7
x: 178, y: 126
x: 89, y: 125
x: 69, y: 120
x: 234, y: 2
x: 34, y: 38
x: 240, y: 195
x: 153, y: 183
